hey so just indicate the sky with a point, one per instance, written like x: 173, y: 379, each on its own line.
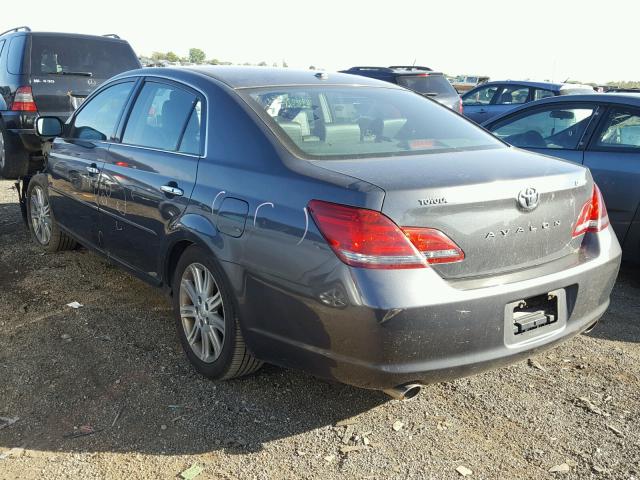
x: 540, y: 40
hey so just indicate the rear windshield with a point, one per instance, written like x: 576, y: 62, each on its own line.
x: 427, y: 84
x: 60, y: 55
x: 350, y: 122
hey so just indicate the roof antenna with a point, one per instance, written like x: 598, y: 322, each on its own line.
x: 414, y: 62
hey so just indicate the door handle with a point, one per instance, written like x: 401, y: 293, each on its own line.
x: 172, y: 189
x: 93, y: 169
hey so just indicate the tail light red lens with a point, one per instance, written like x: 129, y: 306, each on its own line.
x: 460, y: 107
x: 434, y: 245
x: 23, y: 100
x: 593, y: 216
x: 368, y: 239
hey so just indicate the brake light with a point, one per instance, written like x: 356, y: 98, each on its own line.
x: 593, y: 216
x: 368, y: 239
x: 23, y: 100
x: 460, y: 107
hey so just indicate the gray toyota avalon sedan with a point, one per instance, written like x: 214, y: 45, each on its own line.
x: 337, y: 224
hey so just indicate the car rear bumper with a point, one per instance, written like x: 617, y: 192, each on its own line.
x: 20, y: 128
x: 399, y: 326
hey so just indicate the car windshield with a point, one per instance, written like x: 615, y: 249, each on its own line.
x: 65, y: 55
x: 434, y: 84
x: 351, y: 122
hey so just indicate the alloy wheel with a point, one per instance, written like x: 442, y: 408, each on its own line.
x: 40, y: 213
x: 202, y: 312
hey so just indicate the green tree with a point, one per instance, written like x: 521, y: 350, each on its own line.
x: 312, y: 67
x: 158, y: 56
x: 284, y: 64
x: 262, y: 64
x: 196, y: 55
x: 213, y: 61
x: 172, y: 57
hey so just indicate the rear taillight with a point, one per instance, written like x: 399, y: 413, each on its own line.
x: 23, y: 100
x: 460, y: 107
x: 434, y: 245
x: 368, y: 239
x: 593, y: 216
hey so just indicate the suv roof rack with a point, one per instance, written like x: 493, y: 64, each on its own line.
x: 17, y: 29
x: 379, y: 69
x: 411, y: 67
x: 111, y: 35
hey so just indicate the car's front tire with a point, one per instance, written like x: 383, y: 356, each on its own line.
x: 42, y: 224
x: 206, y: 318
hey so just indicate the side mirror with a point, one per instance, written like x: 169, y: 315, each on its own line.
x: 48, y: 127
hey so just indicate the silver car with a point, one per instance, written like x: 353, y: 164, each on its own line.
x: 355, y: 230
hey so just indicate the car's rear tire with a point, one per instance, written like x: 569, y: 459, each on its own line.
x: 42, y: 224
x: 206, y: 318
x: 14, y: 163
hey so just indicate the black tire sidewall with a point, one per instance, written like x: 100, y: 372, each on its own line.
x: 220, y: 367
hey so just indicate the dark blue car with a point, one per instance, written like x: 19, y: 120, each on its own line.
x: 355, y: 231
x: 495, y: 98
x: 601, y: 132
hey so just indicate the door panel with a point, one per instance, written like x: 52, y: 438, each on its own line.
x: 149, y: 177
x: 477, y: 102
x: 76, y: 160
x: 74, y: 170
x: 137, y: 212
x: 613, y: 156
x: 618, y: 176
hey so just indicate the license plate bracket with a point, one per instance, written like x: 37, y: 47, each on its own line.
x: 529, y: 319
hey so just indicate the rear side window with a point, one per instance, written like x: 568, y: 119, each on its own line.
x: 98, y: 118
x: 161, y: 115
x: 65, y: 55
x: 15, y: 62
x: 554, y: 127
x: 434, y: 84
x: 352, y: 122
x: 621, y: 130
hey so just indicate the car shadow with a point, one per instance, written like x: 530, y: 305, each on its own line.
x: 111, y: 376
x: 625, y: 305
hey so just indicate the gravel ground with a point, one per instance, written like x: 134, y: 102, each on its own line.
x: 104, y: 391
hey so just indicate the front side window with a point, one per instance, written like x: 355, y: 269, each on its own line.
x: 621, y: 130
x: 159, y: 117
x: 99, y: 116
x: 513, y: 95
x: 554, y: 127
x: 480, y: 96
x: 352, y: 122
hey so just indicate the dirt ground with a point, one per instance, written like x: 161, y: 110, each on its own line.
x: 104, y: 391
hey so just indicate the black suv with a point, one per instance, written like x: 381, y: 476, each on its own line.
x: 48, y: 74
x: 422, y: 80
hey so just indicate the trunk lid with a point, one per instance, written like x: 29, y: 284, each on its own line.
x: 473, y: 197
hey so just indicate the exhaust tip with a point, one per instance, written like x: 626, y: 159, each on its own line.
x: 404, y: 392
x: 591, y: 327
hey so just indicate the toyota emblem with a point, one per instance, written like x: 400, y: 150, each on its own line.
x: 528, y: 198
